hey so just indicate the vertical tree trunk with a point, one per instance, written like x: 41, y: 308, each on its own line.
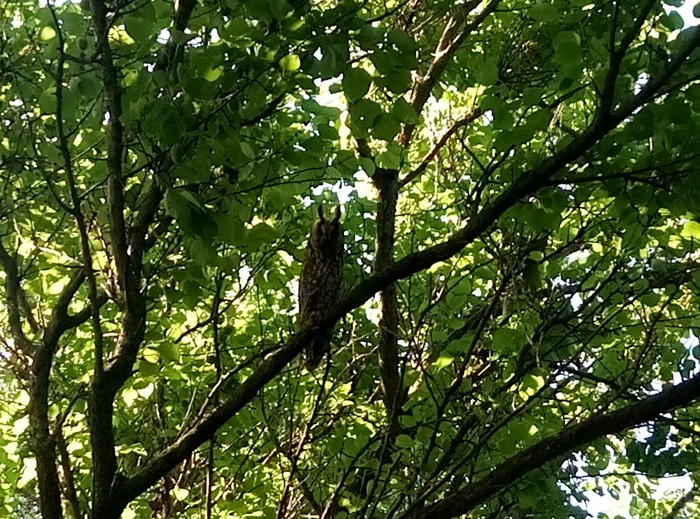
x: 44, y: 448
x: 386, y: 182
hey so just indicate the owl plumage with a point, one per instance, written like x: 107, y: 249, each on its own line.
x: 321, y: 281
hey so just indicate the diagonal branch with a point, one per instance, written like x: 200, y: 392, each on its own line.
x: 467, y: 498
x: 453, y: 36
x: 657, y: 83
x: 430, y: 156
x: 679, y: 505
x: 204, y: 428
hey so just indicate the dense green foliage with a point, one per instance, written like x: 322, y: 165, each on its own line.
x: 524, y: 172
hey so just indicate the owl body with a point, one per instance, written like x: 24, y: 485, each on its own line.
x: 321, y: 281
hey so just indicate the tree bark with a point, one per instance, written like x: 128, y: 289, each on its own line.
x: 386, y: 183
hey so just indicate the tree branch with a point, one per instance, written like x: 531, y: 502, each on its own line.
x: 115, y: 148
x: 12, y: 297
x: 69, y: 489
x: 104, y: 388
x: 452, y: 38
x: 386, y: 182
x: 139, y: 229
x: 467, y: 498
x: 657, y: 83
x: 607, y: 96
x: 204, y: 428
x: 679, y: 505
x: 469, y: 118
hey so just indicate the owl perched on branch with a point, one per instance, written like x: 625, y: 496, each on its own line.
x: 321, y: 281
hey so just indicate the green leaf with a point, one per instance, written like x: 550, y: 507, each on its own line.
x: 568, y: 37
x: 363, y: 113
x: 404, y: 112
x: 367, y: 165
x: 691, y: 230
x: 403, y: 42
x: 334, y: 57
x: 356, y: 83
x: 507, y: 340
x: 168, y: 351
x: 443, y: 361
x: 180, y: 494
x: 543, y: 12
x: 385, y: 127
x: 672, y: 21
x: 140, y: 29
x: 281, y: 8
x: 403, y: 441
x: 260, y: 234
x: 290, y: 63
x: 487, y: 73
x: 47, y: 102
x: 172, y: 130
x: 531, y: 384
x: 47, y: 33
x: 397, y: 82
x: 389, y: 159
x: 148, y: 369
x: 89, y: 86
x: 212, y: 74
x: 568, y: 53
x: 176, y: 204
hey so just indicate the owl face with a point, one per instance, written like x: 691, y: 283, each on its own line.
x: 327, y: 235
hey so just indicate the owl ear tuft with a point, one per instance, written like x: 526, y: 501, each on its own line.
x: 336, y: 218
x: 320, y: 213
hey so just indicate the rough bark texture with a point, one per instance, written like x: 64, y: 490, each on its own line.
x: 386, y: 183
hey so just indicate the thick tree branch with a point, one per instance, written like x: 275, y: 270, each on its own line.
x: 104, y: 388
x: 657, y: 83
x: 139, y: 229
x: 127, y: 248
x: 466, y: 499
x: 69, y: 489
x: 61, y: 309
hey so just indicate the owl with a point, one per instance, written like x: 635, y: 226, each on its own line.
x: 321, y: 281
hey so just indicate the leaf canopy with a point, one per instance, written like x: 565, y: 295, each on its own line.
x: 521, y: 208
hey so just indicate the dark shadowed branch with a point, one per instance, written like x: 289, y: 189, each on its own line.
x: 468, y: 497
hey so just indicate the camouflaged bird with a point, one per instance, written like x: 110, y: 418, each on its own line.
x: 321, y: 281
